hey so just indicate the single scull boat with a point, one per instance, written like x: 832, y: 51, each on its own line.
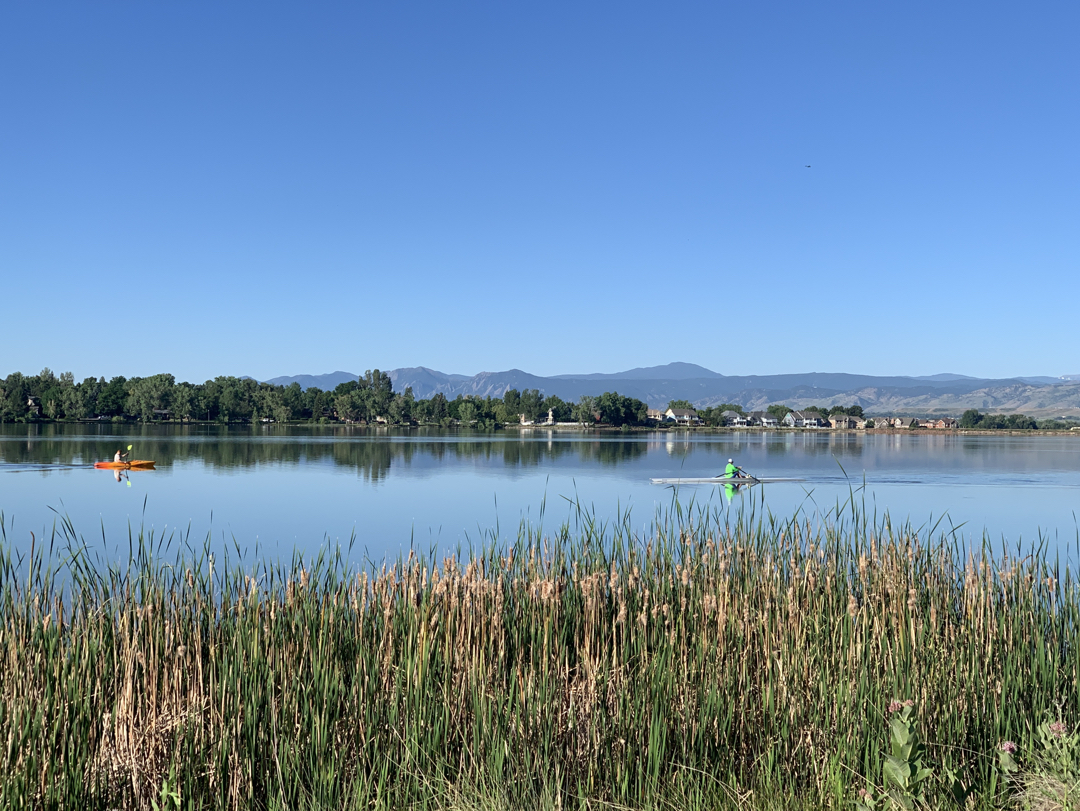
x: 735, y: 481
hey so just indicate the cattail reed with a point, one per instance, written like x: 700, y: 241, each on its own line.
x: 716, y: 661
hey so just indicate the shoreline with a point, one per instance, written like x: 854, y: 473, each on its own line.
x: 605, y: 429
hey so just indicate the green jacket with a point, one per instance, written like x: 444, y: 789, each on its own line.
x: 731, y: 470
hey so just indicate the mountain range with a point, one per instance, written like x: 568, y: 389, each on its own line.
x: 657, y: 385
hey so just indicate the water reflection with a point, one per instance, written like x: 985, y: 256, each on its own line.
x: 290, y: 485
x: 372, y: 453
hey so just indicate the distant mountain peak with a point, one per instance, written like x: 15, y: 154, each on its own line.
x: 669, y: 371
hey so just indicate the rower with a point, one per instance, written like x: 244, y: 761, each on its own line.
x: 733, y: 471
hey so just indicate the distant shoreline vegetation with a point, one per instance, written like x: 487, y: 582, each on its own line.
x: 371, y: 399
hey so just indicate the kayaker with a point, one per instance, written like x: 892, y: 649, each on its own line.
x: 120, y: 454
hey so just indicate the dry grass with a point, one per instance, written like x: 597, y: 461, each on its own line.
x: 711, y: 664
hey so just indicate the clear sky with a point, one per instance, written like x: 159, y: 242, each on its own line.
x: 271, y: 189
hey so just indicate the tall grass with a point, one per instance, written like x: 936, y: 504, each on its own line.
x: 712, y: 661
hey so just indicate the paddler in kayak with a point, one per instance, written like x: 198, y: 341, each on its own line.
x: 119, y: 455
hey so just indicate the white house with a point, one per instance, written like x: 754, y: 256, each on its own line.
x: 764, y: 419
x: 683, y: 416
x: 805, y: 419
x: 734, y: 418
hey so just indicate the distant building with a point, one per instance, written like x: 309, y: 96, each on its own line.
x: 805, y: 419
x: 939, y: 423
x: 33, y: 404
x: 846, y: 421
x: 654, y: 414
x: 682, y: 416
x: 764, y: 419
x: 733, y: 418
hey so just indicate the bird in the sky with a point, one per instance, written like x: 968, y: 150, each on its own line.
x: 808, y: 166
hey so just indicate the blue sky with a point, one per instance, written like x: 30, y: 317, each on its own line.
x: 272, y: 189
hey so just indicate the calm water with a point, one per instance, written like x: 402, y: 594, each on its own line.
x: 300, y: 488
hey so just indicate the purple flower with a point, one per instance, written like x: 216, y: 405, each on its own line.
x: 895, y: 705
x: 1007, y: 746
x: 1057, y: 729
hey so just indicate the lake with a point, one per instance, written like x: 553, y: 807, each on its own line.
x: 301, y: 488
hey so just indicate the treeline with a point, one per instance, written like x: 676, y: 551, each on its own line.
x: 242, y: 400
x: 973, y: 418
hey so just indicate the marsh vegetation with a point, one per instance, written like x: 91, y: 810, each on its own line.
x: 710, y: 662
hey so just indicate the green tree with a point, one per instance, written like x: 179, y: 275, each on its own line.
x: 778, y: 411
x: 584, y: 410
x: 401, y: 407
x: 467, y: 413
x: 380, y: 390
x: 560, y: 410
x: 16, y: 391
x: 183, y: 401
x: 438, y: 408
x: 145, y: 394
x: 511, y: 403
x: 530, y: 404
x: 971, y: 418
x: 681, y: 404
x: 618, y: 410
x: 292, y: 398
x: 113, y: 396
x: 87, y: 394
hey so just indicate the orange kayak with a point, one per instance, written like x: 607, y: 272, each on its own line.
x: 134, y: 464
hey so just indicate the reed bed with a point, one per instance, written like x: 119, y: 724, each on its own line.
x: 712, y: 661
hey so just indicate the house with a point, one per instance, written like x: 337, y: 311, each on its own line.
x: 905, y: 422
x: 846, y: 421
x: 682, y: 416
x: 654, y: 414
x: 33, y: 405
x: 162, y: 414
x: 944, y: 422
x: 805, y: 419
x: 764, y: 419
x: 733, y: 418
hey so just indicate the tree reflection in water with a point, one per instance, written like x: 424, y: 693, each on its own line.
x: 370, y: 452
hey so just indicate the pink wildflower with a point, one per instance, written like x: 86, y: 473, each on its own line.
x: 1007, y: 746
x: 1057, y: 729
x: 895, y: 705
